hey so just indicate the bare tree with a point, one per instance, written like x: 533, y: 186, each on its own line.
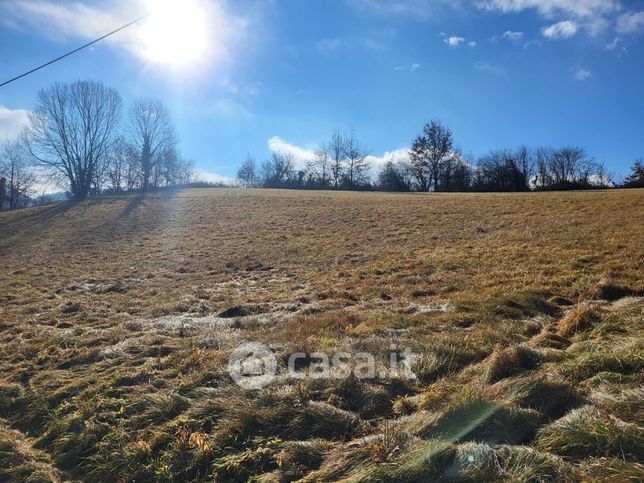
x: 71, y: 130
x: 277, y: 171
x: 542, y: 157
x: 247, y: 172
x: 19, y: 179
x: 526, y: 163
x: 603, y: 177
x: 336, y: 150
x: 320, y: 167
x: 356, y: 162
x: 428, y: 154
x: 118, y: 165
x: 153, y: 133
x: 185, y: 173
x: 500, y: 171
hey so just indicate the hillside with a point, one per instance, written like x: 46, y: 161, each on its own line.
x: 118, y: 317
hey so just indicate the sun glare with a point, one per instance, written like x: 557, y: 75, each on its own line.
x: 175, y: 33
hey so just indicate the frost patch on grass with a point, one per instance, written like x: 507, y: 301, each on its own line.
x: 429, y: 309
x: 627, y: 304
x: 174, y: 323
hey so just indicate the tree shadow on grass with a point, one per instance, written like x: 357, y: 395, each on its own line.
x: 134, y: 202
x: 24, y: 227
x: 39, y: 214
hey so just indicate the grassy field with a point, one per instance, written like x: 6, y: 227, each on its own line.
x: 118, y: 316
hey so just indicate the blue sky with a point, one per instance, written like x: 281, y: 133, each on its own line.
x: 283, y: 74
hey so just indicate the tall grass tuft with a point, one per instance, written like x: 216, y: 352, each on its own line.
x: 587, y: 431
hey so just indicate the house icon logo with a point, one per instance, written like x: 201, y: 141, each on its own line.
x: 252, y: 365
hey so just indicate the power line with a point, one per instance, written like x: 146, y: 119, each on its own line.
x: 73, y: 51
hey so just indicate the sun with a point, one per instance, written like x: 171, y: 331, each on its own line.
x: 175, y: 33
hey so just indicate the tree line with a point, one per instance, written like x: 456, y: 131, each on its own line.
x: 340, y: 163
x: 434, y: 163
x: 77, y: 136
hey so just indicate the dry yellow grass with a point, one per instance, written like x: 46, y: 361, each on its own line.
x: 117, y: 317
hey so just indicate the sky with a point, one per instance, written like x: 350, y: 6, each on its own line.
x: 250, y: 77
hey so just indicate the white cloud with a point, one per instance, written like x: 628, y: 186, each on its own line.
x: 377, y: 162
x: 550, y: 8
x: 491, y: 69
x: 471, y: 44
x: 12, y: 121
x: 454, y: 41
x: 46, y: 183
x: 631, y: 23
x: 64, y: 20
x: 581, y: 74
x: 596, y: 25
x: 229, y: 108
x: 417, y: 9
x: 301, y: 155
x: 532, y: 43
x: 410, y: 68
x: 616, y: 45
x: 513, y: 36
x: 210, y: 177
x: 253, y: 89
x: 560, y: 30
x: 329, y: 46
